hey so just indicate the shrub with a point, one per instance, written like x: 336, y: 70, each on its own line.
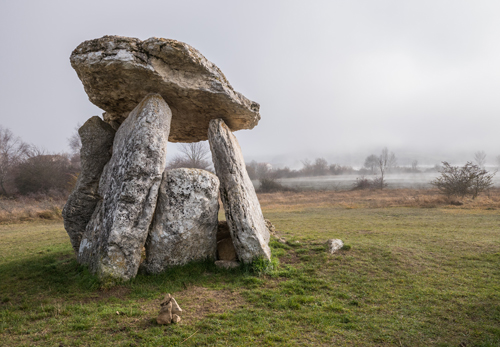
x: 469, y: 179
x: 43, y: 173
x: 362, y: 183
x: 271, y: 185
x: 366, y: 183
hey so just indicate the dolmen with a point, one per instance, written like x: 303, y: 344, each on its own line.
x: 124, y: 202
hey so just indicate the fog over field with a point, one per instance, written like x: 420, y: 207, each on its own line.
x: 338, y: 80
x: 342, y: 182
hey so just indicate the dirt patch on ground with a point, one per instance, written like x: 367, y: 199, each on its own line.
x: 118, y: 292
x: 198, y: 302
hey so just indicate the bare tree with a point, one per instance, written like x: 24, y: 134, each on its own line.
x: 320, y: 167
x: 414, y: 166
x: 74, y: 141
x: 12, y: 151
x: 386, y: 161
x: 371, y: 162
x: 498, y: 160
x: 194, y: 155
x: 75, y: 144
x: 480, y: 158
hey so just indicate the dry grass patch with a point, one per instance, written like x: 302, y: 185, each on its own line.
x: 374, y: 198
x: 25, y: 209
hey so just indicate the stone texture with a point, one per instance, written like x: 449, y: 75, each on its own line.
x: 243, y: 213
x: 225, y: 250
x: 227, y: 264
x: 185, y: 224
x: 334, y: 245
x: 165, y: 316
x: 129, y: 184
x: 97, y: 143
x: 176, y: 309
x: 169, y: 311
x: 117, y: 72
x: 270, y: 227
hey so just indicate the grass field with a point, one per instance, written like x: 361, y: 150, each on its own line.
x: 419, y: 273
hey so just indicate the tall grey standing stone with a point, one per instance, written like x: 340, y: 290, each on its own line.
x: 186, y: 220
x: 97, y: 142
x: 243, y: 214
x: 115, y: 235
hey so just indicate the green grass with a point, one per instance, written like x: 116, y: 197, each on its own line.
x: 412, y: 277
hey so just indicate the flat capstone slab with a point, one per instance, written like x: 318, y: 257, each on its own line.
x: 118, y: 72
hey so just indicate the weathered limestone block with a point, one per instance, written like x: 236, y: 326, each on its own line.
x: 334, y: 245
x: 115, y: 235
x: 243, y: 214
x: 185, y: 224
x: 118, y: 72
x: 97, y: 142
x: 227, y: 264
x: 169, y: 311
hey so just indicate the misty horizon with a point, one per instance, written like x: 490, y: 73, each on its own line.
x: 334, y: 80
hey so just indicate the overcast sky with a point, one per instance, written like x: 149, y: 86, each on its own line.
x: 333, y: 78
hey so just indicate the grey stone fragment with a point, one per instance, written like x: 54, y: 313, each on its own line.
x: 227, y: 264
x: 129, y: 184
x: 334, y: 245
x: 243, y: 213
x: 117, y: 72
x: 186, y: 219
x: 97, y: 142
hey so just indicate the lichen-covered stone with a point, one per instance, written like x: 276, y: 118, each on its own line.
x: 186, y: 219
x: 97, y: 142
x: 129, y: 184
x: 334, y: 245
x: 117, y: 72
x: 227, y: 264
x: 243, y: 213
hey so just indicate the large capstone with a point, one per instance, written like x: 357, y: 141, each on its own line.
x: 97, y: 142
x: 242, y: 208
x: 117, y: 72
x: 186, y: 220
x: 129, y: 184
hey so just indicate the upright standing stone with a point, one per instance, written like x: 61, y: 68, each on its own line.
x: 243, y: 214
x: 97, y: 142
x: 129, y: 186
x: 186, y: 220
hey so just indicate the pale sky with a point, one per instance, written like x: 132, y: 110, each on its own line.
x: 333, y: 78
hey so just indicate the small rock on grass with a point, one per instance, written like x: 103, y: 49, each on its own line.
x: 227, y: 264
x: 165, y: 316
x: 169, y: 312
x: 334, y: 245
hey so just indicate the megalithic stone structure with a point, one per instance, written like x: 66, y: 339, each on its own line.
x: 114, y: 237
x: 97, y: 142
x: 242, y: 208
x: 155, y: 91
x: 186, y: 220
